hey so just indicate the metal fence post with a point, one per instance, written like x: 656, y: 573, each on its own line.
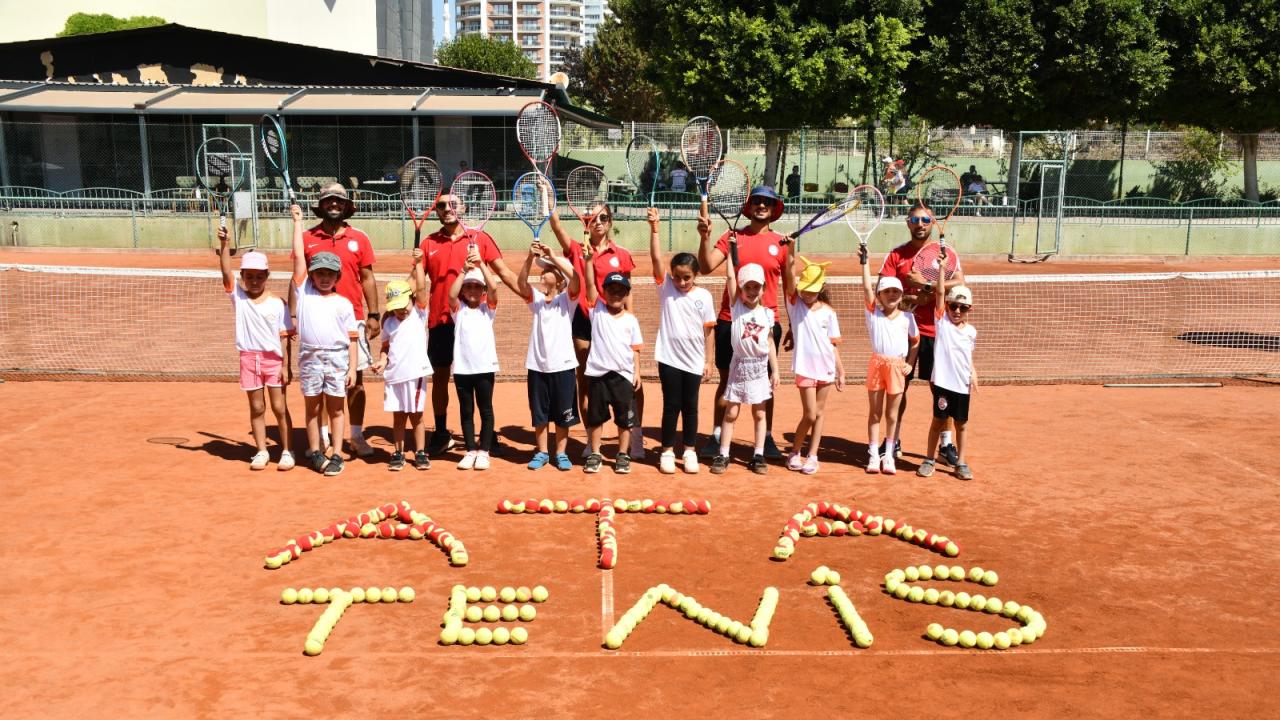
x: 1191, y: 213
x: 133, y: 221
x: 146, y: 155
x: 4, y: 158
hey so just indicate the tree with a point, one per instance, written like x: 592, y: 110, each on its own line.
x: 88, y: 23
x: 614, y: 77
x: 571, y: 64
x: 484, y: 54
x: 775, y: 64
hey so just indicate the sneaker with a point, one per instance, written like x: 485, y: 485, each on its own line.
x: 563, y: 463
x: 897, y: 449
x: 441, y: 442
x: 925, y: 469
x: 468, y: 461
x: 963, y: 472
x: 711, y: 449
x: 794, y: 461
x: 361, y: 446
x: 667, y: 462
x: 317, y: 460
x: 873, y: 463
x: 593, y: 463
x: 950, y: 454
x: 259, y: 460
x: 482, y: 460
x: 286, y: 461
x: 758, y: 465
x: 334, y: 466
x: 421, y: 461
x: 771, y: 451
x: 539, y: 460
x: 719, y: 464
x: 622, y: 464
x: 637, y: 444
x: 397, y: 462
x: 887, y: 466
x: 690, y: 462
x: 810, y: 465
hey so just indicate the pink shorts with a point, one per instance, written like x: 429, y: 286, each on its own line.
x: 258, y: 368
x: 808, y: 382
x: 888, y: 373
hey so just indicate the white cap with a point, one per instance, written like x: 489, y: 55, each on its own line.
x: 474, y: 276
x: 887, y: 283
x: 960, y: 293
x: 750, y: 272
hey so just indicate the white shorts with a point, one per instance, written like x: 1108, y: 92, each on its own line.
x: 748, y: 381
x: 409, y: 396
x: 323, y: 371
x: 364, y: 356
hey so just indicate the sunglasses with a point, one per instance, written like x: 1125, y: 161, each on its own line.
x: 760, y: 200
x: 444, y: 205
x: 959, y: 307
x: 919, y: 220
x: 602, y: 218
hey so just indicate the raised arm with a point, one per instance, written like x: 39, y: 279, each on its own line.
x: 455, y: 289
x: 558, y: 229
x: 589, y: 268
x: 655, y: 252
x: 299, y: 250
x: 708, y: 256
x: 789, y: 278
x: 490, y: 284
x: 566, y: 269
x: 522, y: 278
x: 418, y: 279
x: 940, y: 293
x: 868, y: 288
x: 224, y: 260
x: 730, y: 283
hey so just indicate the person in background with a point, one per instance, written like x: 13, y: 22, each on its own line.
x: 793, y: 183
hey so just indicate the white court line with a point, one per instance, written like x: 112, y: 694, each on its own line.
x: 1201, y: 448
x: 606, y: 602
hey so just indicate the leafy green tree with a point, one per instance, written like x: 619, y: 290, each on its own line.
x: 485, y: 54
x: 614, y: 77
x: 88, y: 23
x: 1196, y: 173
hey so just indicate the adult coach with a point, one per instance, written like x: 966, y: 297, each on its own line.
x: 356, y: 283
x: 444, y: 253
x: 898, y: 264
x: 762, y: 246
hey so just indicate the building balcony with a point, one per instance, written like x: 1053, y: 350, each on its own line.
x: 501, y: 25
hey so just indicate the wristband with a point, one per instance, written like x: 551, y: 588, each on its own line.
x: 373, y: 316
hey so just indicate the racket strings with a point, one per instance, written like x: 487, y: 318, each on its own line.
x: 584, y: 188
x: 868, y: 214
x: 642, y: 161
x: 728, y: 187
x: 939, y: 190
x: 420, y: 183
x: 533, y: 197
x: 538, y: 131
x: 474, y: 198
x: 700, y: 145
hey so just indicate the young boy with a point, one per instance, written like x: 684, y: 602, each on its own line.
x: 954, y: 377
x: 612, y: 366
x: 551, y: 360
x: 328, y: 355
x: 404, y: 359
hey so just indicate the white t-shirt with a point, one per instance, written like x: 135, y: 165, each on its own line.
x: 953, y: 355
x: 613, y: 339
x: 890, y: 336
x: 327, y: 322
x: 406, y: 346
x: 475, y: 350
x: 259, y: 325
x: 551, y: 336
x: 752, y: 330
x: 679, y: 179
x: 815, y: 332
x: 685, y: 316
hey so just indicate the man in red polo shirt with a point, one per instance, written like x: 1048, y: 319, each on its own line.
x: 356, y: 284
x: 444, y: 252
x: 898, y: 264
x: 759, y: 245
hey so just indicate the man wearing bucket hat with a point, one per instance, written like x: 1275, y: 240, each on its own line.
x: 759, y: 245
x: 356, y: 284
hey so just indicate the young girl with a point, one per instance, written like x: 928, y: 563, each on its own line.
x: 749, y: 380
x: 894, y: 343
x: 403, y: 358
x: 551, y: 361
x: 473, y: 300
x: 262, y: 322
x: 815, y: 332
x: 687, y: 318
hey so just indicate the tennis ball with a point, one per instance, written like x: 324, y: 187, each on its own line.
x: 372, y: 595
x: 703, y: 616
x: 491, y: 613
x: 962, y: 600
x: 1000, y: 641
x: 722, y: 624
x: 449, y: 635
x: 1029, y: 635
x: 916, y: 594
x: 501, y: 635
x: 1024, y: 613
x: 466, y: 636
x: 978, y: 603
x: 985, y: 641
x: 484, y: 636
x: 1011, y: 608
x: 357, y: 594
x: 613, y: 639
x: 968, y: 639
x: 539, y: 594
x: 523, y: 594
x: 388, y: 594
x: 320, y: 596
x: 274, y: 562
x: 527, y: 612
x: 934, y: 631
x: 925, y: 572
x: 732, y: 631
x: 946, y: 598
x: 519, y: 636
x: 833, y: 577
x: 473, y: 594
x: 942, y: 572
x: 950, y: 637
x: 896, y: 574
x: 507, y: 594
x: 990, y: 578
x: 288, y: 596
x: 744, y: 634
x: 510, y: 613
x: 818, y: 576
x: 931, y: 596
x: 951, y: 549
x: 474, y: 613
x: 891, y: 585
x: 488, y: 593
x: 406, y: 594
x: 994, y: 606
x: 305, y: 596
x: 758, y: 638
x: 912, y: 573
x: 313, y: 647
x: 561, y: 506
x: 902, y: 591
x: 976, y: 573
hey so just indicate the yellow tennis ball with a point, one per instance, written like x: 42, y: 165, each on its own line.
x: 946, y: 598
x: 833, y: 577
x: 613, y: 639
x: 942, y: 572
x: 934, y: 631
x: 501, y: 635
x: 388, y: 594
x: 523, y: 594
x: 406, y: 594
x: 488, y: 593
x: 313, y: 647
x: 925, y: 572
x: 527, y: 612
x: 305, y: 595
x: 519, y: 636
x: 474, y: 613
x: 956, y: 573
x: 288, y: 596
x: 510, y: 613
x: 466, y: 636
x: 357, y: 595
x: 372, y: 594
x: 968, y: 639
x: 507, y: 594
x: 912, y: 573
x: 473, y: 594
x: 990, y: 578
x: 902, y: 591
x: 962, y: 600
x: 1000, y: 641
x: 484, y: 636
x: 950, y: 637
x: 449, y: 635
x: 539, y: 594
x: 985, y: 640
x: 976, y: 573
x: 978, y: 603
x: 994, y: 606
x: 320, y: 596
x: 916, y: 594
x: 931, y: 596
x: 1015, y: 636
x: 492, y: 613
x: 818, y: 576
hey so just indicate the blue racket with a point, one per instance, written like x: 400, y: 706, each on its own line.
x: 534, y: 198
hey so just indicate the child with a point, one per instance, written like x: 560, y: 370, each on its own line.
x: 815, y: 332
x: 262, y: 321
x: 751, y: 379
x: 687, y: 319
x: 328, y: 357
x: 473, y: 300
x: 954, y: 377
x: 403, y: 358
x: 613, y: 366
x: 895, y: 339
x: 551, y: 361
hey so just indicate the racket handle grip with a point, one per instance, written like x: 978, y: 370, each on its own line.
x: 222, y: 221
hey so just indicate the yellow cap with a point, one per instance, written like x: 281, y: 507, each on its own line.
x: 399, y: 295
x: 813, y: 277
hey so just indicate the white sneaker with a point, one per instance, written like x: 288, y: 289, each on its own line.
x: 887, y: 466
x: 667, y: 463
x: 468, y: 461
x: 259, y: 460
x: 361, y: 446
x: 286, y: 461
x: 482, y: 460
x: 637, y: 444
x: 873, y: 463
x: 691, y: 461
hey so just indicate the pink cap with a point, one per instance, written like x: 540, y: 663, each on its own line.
x: 253, y: 260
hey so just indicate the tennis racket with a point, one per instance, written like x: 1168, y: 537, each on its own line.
x: 644, y: 164
x: 847, y: 208
x: 700, y: 149
x: 220, y: 172
x: 276, y: 150
x: 728, y: 187
x: 939, y: 189
x: 928, y: 264
x: 585, y: 191
x: 538, y: 132
x: 475, y: 199
x: 420, y: 184
x: 534, y: 198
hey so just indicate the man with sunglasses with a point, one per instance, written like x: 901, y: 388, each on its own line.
x: 920, y: 293
x: 444, y: 254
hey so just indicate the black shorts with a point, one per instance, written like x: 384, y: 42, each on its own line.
x: 950, y: 404
x: 924, y: 361
x: 724, y: 343
x: 581, y: 324
x: 553, y: 397
x: 440, y: 345
x: 611, y: 391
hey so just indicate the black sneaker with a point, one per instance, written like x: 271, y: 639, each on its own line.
x: 622, y: 463
x: 593, y: 463
x: 771, y: 450
x: 758, y: 465
x: 317, y: 460
x: 719, y: 464
x: 421, y: 461
x: 950, y: 454
x: 397, y: 461
x: 441, y: 442
x: 334, y: 467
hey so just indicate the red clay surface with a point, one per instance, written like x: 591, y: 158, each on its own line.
x: 1139, y: 522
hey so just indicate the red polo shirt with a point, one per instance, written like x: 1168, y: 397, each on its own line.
x: 354, y: 250
x: 898, y: 264
x: 765, y: 249
x: 443, y: 258
x: 610, y: 259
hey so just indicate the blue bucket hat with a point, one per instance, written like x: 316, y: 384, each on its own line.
x: 765, y: 191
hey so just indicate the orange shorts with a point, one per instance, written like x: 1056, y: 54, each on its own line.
x: 887, y: 373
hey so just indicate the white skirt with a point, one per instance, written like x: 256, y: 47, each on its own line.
x: 748, y: 380
x: 409, y: 396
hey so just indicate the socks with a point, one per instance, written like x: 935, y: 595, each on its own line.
x: 873, y: 448
x: 946, y: 438
x: 758, y: 451
x: 715, y: 433
x: 324, y: 438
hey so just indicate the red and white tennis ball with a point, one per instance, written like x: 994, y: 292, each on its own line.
x: 504, y: 507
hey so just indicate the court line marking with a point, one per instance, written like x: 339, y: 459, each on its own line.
x: 1201, y: 448
x: 606, y: 601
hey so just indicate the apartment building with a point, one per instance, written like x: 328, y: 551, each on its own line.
x: 543, y: 29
